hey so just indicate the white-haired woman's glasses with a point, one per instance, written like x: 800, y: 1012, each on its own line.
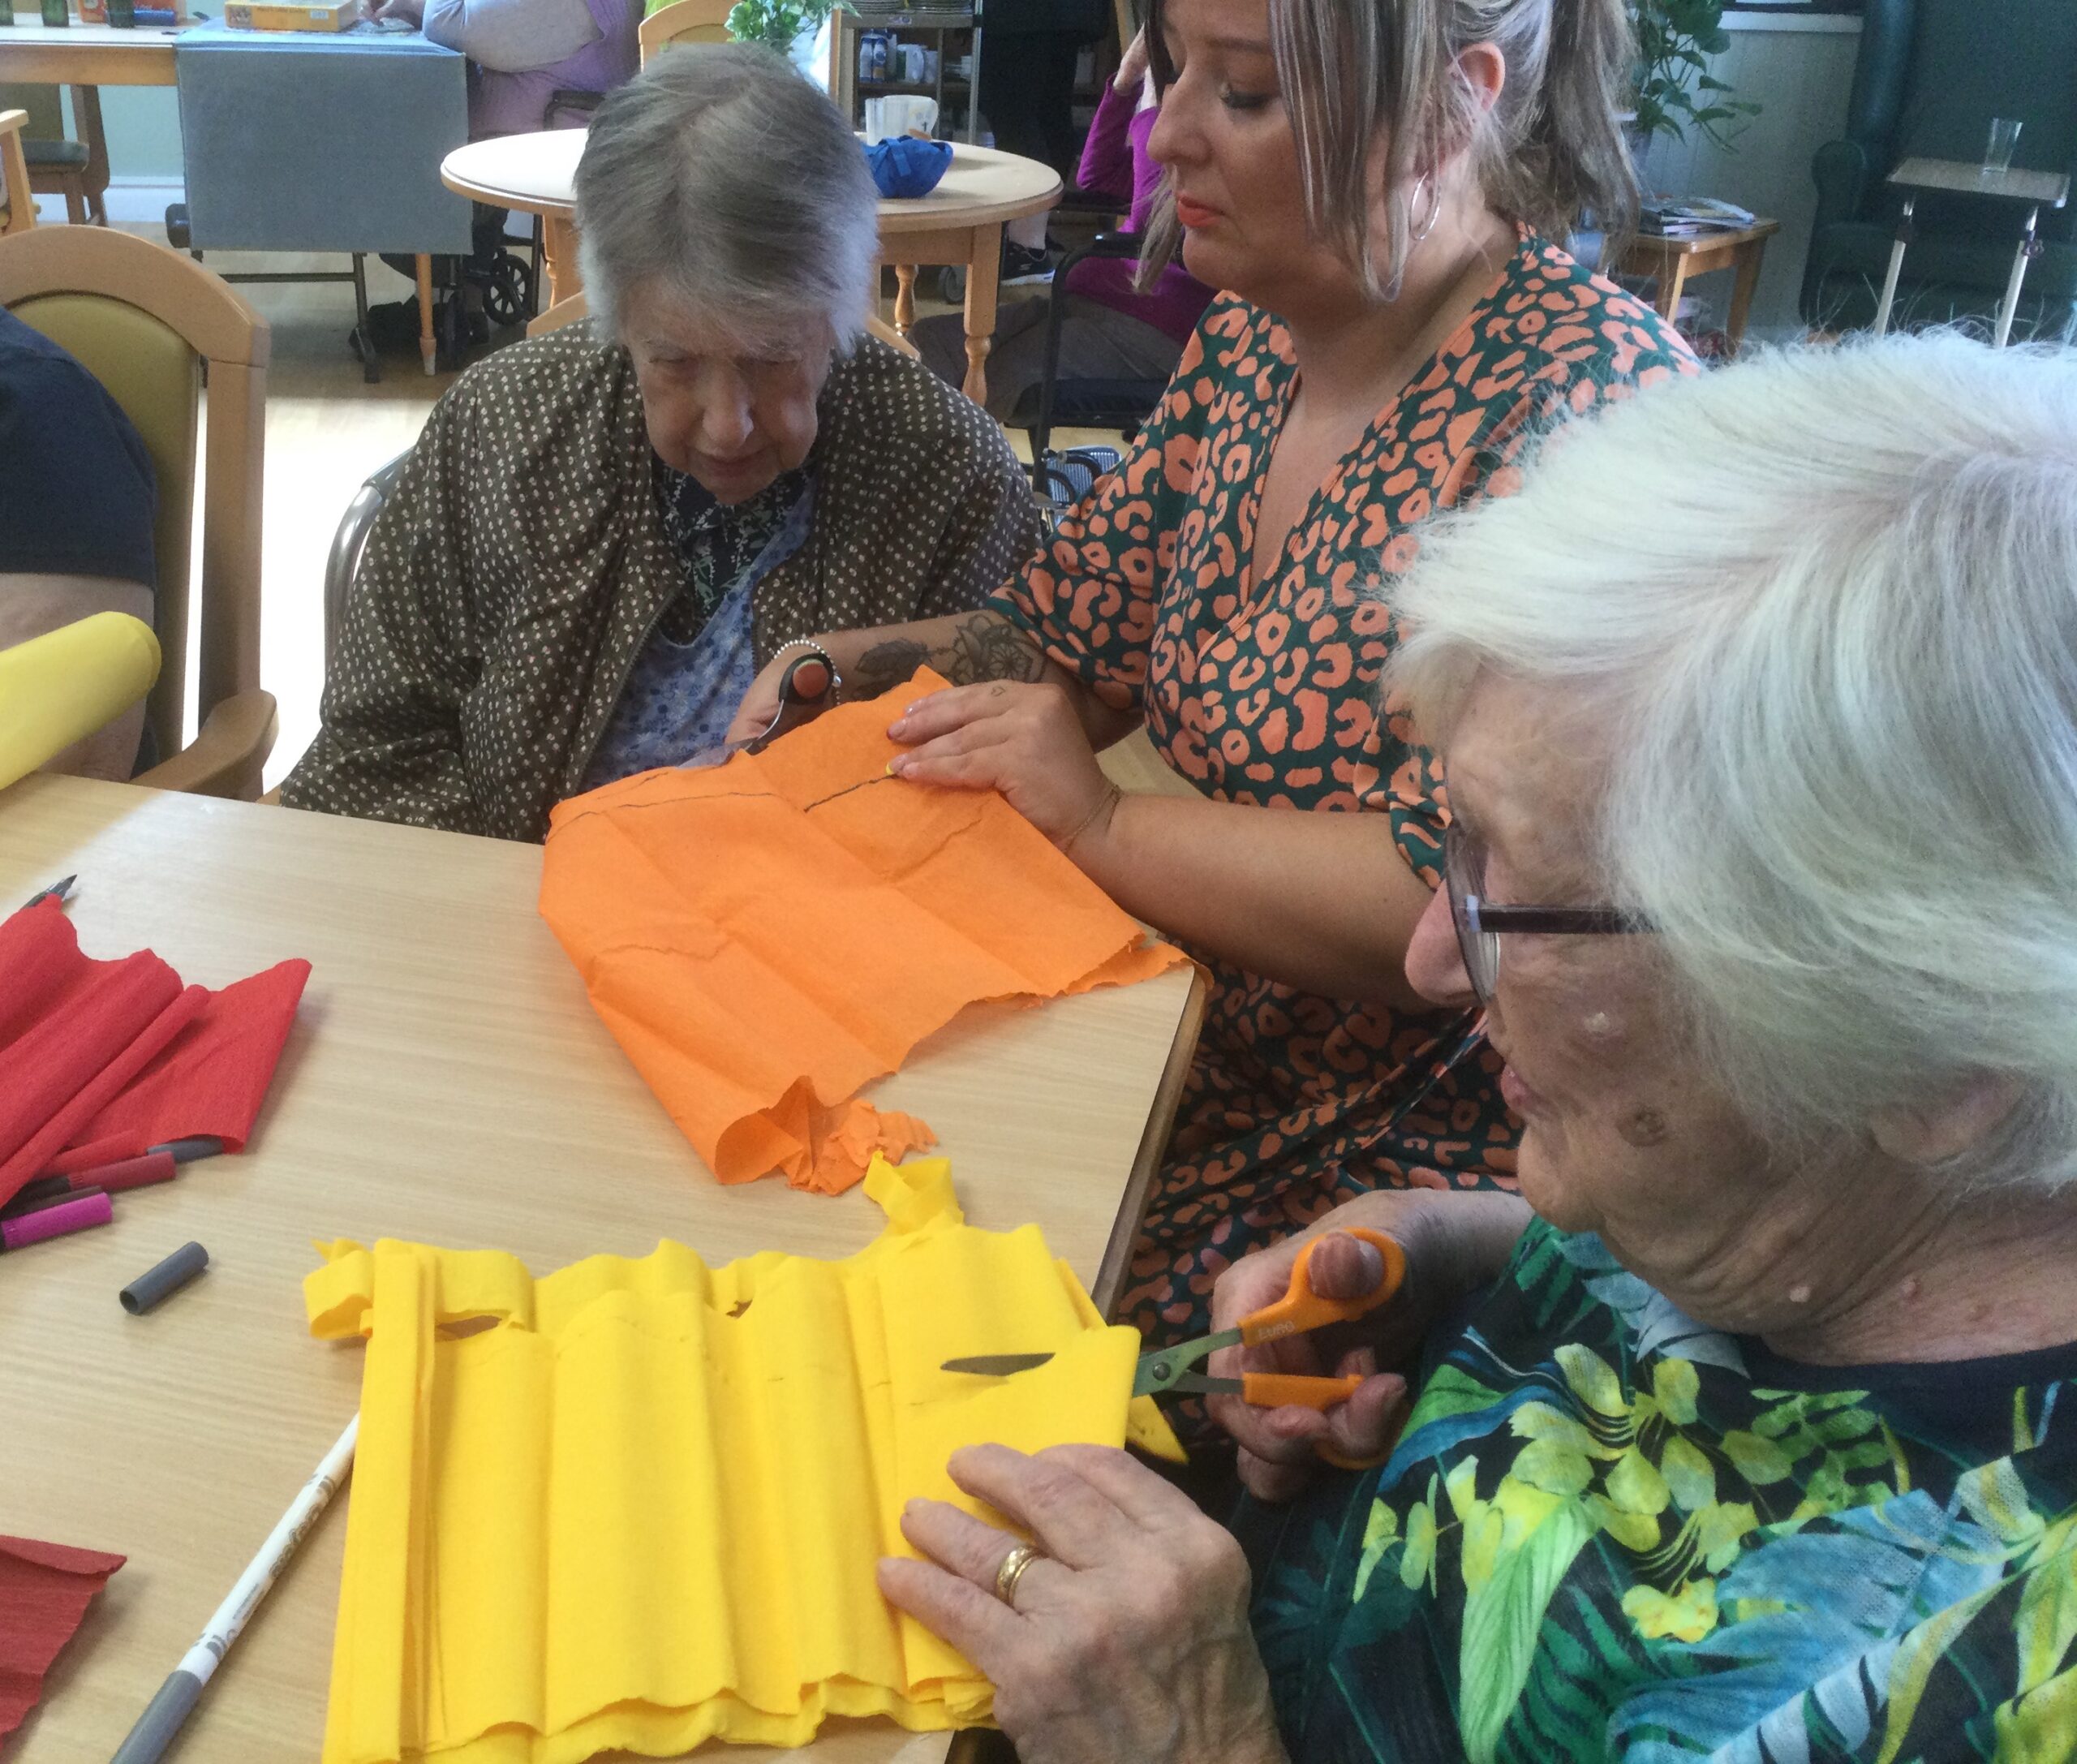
x: 1481, y: 924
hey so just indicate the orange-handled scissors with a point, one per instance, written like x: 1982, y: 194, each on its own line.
x: 1298, y: 1310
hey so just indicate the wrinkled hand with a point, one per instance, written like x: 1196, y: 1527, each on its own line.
x: 412, y: 12
x: 1024, y: 740
x: 1278, y: 1456
x: 1129, y: 1641
x: 760, y: 703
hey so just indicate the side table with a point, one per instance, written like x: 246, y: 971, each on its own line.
x: 1674, y: 260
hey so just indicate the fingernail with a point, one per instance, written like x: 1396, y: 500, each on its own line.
x: 891, y: 772
x: 897, y: 725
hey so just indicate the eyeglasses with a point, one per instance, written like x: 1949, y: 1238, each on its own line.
x: 1481, y: 925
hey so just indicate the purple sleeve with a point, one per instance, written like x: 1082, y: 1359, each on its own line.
x: 1107, y: 160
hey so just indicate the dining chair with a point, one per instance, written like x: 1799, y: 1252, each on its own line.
x: 77, y: 170
x: 684, y: 21
x: 149, y: 322
x: 17, y: 201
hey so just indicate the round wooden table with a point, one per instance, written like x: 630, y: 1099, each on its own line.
x: 959, y: 222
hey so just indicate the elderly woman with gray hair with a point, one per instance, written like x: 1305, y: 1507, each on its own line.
x: 1756, y: 1439
x: 604, y: 532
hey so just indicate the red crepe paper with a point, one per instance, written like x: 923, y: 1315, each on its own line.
x: 45, y: 1591
x: 99, y: 1061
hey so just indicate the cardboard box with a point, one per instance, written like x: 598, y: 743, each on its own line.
x: 269, y: 16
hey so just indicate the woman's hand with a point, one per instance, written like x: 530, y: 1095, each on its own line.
x: 1454, y: 1243
x: 1024, y: 740
x: 1127, y: 1639
x: 1132, y: 65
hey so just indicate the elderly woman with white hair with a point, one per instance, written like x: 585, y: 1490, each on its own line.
x: 1756, y: 1439
x: 604, y: 532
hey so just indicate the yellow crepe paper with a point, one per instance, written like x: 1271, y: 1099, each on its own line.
x: 643, y: 1509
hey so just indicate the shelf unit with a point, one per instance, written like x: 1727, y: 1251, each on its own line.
x: 939, y: 27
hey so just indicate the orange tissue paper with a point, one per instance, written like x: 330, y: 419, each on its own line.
x: 764, y: 936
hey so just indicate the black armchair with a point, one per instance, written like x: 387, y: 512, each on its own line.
x: 1931, y: 76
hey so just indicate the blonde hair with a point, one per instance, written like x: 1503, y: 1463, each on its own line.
x: 1352, y: 70
x: 1822, y: 609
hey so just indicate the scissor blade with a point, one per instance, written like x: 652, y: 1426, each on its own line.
x: 713, y: 756
x: 1166, y: 1369
x: 996, y: 1365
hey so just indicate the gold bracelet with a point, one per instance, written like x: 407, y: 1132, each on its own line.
x: 1109, y: 801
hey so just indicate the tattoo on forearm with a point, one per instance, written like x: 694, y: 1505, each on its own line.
x: 985, y: 646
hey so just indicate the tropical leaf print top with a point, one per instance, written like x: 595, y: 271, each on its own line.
x: 1607, y: 1533
x: 1265, y: 692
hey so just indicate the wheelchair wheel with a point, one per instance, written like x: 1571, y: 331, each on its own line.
x: 508, y: 291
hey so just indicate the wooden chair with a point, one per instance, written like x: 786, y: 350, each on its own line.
x: 144, y: 320
x: 684, y: 21
x: 76, y: 170
x: 17, y: 201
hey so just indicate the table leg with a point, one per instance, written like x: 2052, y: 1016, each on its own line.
x: 1896, y: 268
x: 86, y: 119
x: 1672, y: 279
x: 559, y: 253
x: 427, y: 350
x: 904, y: 299
x: 983, y: 272
x: 1749, y: 257
x: 2012, y: 302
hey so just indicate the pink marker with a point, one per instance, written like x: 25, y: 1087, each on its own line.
x: 67, y: 1216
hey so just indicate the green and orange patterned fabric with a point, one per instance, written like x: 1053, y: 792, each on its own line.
x: 1265, y: 692
x: 1608, y: 1533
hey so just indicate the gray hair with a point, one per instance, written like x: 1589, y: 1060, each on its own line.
x: 1821, y: 609
x: 1353, y: 72
x: 722, y: 175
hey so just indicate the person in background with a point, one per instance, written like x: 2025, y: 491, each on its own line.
x: 1113, y: 330
x: 1029, y: 53
x: 77, y: 503
x: 522, y: 53
x: 1749, y: 1431
x: 1379, y: 184
x: 606, y: 530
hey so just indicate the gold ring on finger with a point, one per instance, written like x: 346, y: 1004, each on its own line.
x: 1020, y: 1558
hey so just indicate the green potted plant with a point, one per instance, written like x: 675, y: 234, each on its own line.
x: 1675, y: 90
x: 775, y: 23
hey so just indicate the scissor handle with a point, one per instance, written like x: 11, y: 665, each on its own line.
x: 1301, y: 1309
x: 806, y: 679
x: 1274, y: 1390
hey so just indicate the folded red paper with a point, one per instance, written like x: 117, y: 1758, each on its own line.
x: 45, y: 1591
x: 99, y: 1061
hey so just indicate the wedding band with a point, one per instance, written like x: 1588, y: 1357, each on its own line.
x: 1012, y: 1570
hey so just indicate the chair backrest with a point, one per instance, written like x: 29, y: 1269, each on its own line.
x: 684, y: 21
x: 563, y: 313
x: 348, y: 544
x: 144, y: 318
x: 17, y: 206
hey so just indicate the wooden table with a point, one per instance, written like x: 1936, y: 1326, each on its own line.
x: 87, y: 54
x: 448, y: 1083
x: 959, y: 222
x: 1674, y: 260
x: 1958, y: 178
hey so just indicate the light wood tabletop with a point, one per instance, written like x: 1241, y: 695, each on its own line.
x: 448, y: 1083
x: 960, y: 221
x: 87, y: 54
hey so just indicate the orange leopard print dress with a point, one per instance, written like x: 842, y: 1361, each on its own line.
x: 1266, y: 693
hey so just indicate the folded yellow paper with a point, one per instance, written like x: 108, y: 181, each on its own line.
x: 644, y: 1509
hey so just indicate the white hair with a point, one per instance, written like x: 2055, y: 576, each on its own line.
x: 1823, y: 606
x: 722, y: 175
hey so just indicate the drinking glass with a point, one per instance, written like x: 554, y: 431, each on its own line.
x: 1997, y: 150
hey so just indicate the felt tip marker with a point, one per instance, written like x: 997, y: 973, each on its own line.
x: 187, y: 1151
x: 58, y: 891
x: 82, y: 1212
